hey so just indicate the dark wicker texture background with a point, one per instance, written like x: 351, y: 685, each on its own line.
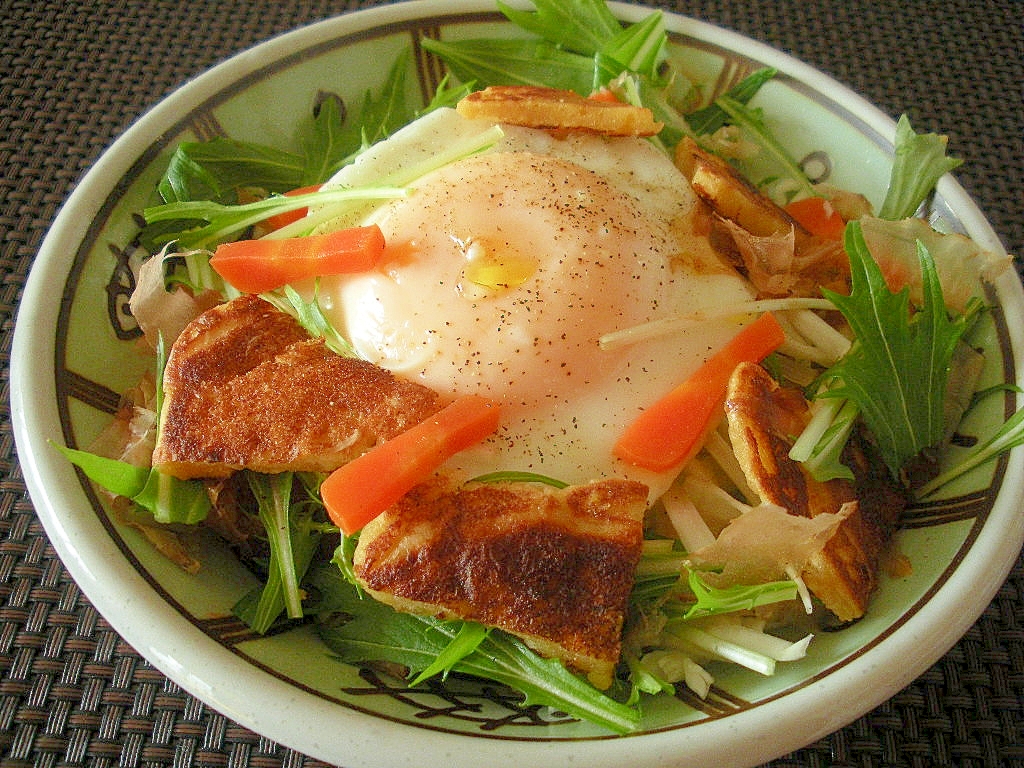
x: 74, y: 76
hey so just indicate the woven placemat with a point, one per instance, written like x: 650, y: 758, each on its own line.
x: 74, y: 76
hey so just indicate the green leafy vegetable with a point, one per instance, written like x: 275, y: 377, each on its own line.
x: 649, y: 589
x: 342, y: 559
x: 896, y: 371
x: 519, y: 477
x: 664, y: 104
x: 167, y: 498
x: 216, y: 169
x: 920, y: 161
x: 311, y: 317
x: 172, y: 500
x: 1009, y: 435
x: 754, y: 126
x: 580, y: 46
x: 644, y: 680
x: 448, y: 94
x: 712, y: 117
x: 693, y: 597
x: 325, y: 147
x: 273, y: 498
x: 213, y: 222
x: 467, y: 639
x: 381, y: 114
x: 713, y: 601
x: 659, y: 564
x: 638, y: 48
x: 515, y: 62
x: 293, y: 535
x: 363, y: 630
x: 213, y: 172
x: 118, y: 477
x: 582, y: 26
x: 820, y: 445
x: 192, y: 270
x: 577, y: 45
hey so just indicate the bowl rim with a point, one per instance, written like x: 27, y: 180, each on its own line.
x: 53, y: 488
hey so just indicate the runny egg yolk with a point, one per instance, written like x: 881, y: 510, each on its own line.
x: 506, y: 268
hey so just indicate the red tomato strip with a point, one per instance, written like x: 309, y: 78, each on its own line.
x: 672, y: 430
x: 254, y: 266
x: 357, y: 492
x: 817, y: 216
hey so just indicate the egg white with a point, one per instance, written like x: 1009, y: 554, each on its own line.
x: 506, y: 267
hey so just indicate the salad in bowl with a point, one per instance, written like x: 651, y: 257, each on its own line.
x: 569, y: 390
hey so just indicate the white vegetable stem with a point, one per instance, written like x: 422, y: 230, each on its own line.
x: 720, y: 648
x: 774, y: 647
x: 673, y: 323
x: 689, y: 526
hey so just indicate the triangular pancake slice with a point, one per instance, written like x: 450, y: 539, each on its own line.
x: 245, y: 387
x: 553, y: 567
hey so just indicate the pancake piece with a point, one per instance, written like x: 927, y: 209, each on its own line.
x: 245, y: 387
x: 762, y: 419
x: 553, y: 567
x: 775, y: 252
x: 539, y: 107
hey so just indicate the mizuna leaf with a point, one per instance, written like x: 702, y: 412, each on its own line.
x: 580, y: 26
x: 896, y: 371
x: 920, y: 161
x: 360, y: 629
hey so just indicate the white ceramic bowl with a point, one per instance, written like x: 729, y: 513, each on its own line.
x: 73, y: 351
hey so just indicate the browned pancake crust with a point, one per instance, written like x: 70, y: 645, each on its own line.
x: 245, y: 387
x: 549, y: 108
x: 552, y: 567
x: 763, y: 418
x: 817, y: 262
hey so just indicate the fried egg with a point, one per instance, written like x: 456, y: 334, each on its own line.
x: 505, y: 268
